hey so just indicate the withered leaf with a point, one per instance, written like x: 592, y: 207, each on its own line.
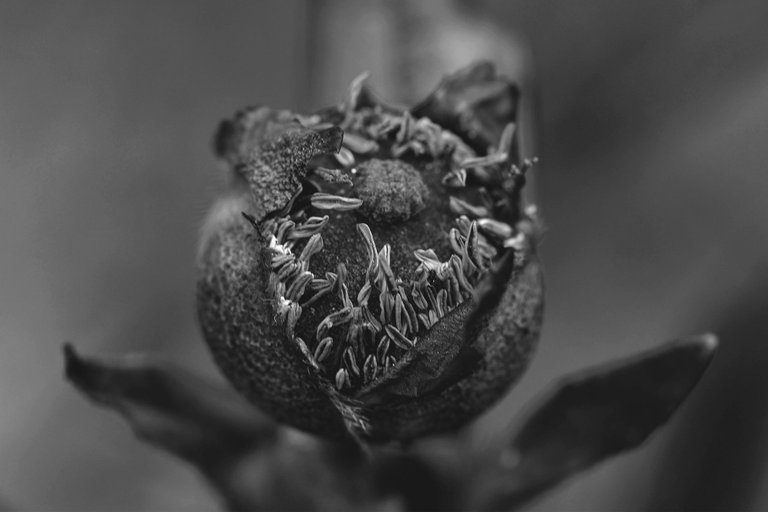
x: 591, y: 416
x: 210, y: 427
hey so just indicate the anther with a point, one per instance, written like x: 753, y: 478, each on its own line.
x: 370, y: 248
x: 314, y: 246
x: 283, y: 229
x: 350, y: 361
x: 398, y: 338
x: 461, y: 207
x: 352, y: 101
x: 471, y: 250
x: 296, y: 290
x: 457, y: 178
x: 370, y: 368
x: 384, y: 269
x: 495, y: 228
x: 382, y: 349
x: 342, y: 379
x: 312, y: 226
x: 323, y: 201
x: 323, y: 349
x: 359, y: 145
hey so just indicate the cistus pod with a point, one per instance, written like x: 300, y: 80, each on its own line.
x: 372, y: 271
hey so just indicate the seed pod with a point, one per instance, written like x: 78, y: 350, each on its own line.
x: 414, y: 328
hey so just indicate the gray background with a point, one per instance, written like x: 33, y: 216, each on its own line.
x: 651, y: 123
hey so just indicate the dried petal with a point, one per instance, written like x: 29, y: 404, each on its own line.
x: 461, y: 207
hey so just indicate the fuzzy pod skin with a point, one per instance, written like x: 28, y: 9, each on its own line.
x: 371, y: 273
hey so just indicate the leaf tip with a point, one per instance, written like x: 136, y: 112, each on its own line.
x: 708, y: 342
x: 701, y: 347
x: 71, y: 360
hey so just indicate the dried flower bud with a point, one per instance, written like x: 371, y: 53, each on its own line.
x: 382, y: 279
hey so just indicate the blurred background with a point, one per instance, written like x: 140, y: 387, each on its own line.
x: 650, y: 120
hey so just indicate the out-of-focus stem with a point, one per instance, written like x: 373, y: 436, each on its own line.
x: 408, y: 46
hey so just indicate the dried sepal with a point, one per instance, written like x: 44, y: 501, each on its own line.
x: 475, y: 103
x: 275, y: 168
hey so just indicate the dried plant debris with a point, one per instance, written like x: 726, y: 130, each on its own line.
x: 371, y: 277
x: 366, y: 254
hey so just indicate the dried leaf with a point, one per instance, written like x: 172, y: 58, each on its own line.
x: 210, y: 427
x: 592, y: 416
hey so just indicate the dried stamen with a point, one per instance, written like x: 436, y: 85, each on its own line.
x: 385, y: 275
x: 461, y: 207
x: 405, y: 128
x: 409, y: 311
x: 398, y: 338
x: 457, y: 178
x: 364, y: 294
x: 352, y: 101
x: 370, y: 248
x: 458, y: 272
x: 418, y: 298
x: 314, y: 246
x: 471, y: 248
x: 496, y: 228
x: 296, y: 290
x: 355, y: 340
x: 382, y: 349
x: 308, y: 228
x: 370, y: 368
x: 485, y: 161
x: 342, y: 379
x: 456, y: 240
x: 323, y: 349
x: 336, y: 318
x: 350, y: 361
x: 359, y: 145
x: 283, y: 228
x: 288, y: 270
x: 386, y: 305
x: 323, y: 201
